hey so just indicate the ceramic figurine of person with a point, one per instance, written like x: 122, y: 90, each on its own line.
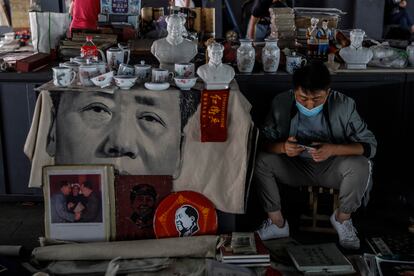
x: 311, y: 39
x: 356, y: 56
x: 215, y: 74
x: 324, y: 36
x: 174, y: 48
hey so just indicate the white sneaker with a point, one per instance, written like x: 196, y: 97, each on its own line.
x: 346, y: 232
x: 268, y: 230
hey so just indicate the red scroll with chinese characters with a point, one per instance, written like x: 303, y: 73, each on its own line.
x: 213, y: 115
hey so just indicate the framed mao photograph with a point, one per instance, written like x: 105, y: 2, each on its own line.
x: 77, y: 202
x: 136, y: 200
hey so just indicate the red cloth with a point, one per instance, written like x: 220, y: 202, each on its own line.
x: 213, y: 115
x: 85, y: 14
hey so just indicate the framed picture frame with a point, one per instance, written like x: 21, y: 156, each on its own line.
x: 136, y: 200
x: 78, y: 202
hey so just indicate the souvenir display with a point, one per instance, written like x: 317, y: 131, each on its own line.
x: 331, y: 64
x: 282, y: 26
x: 157, y: 86
x: 143, y: 72
x: 270, y: 56
x: 77, y: 202
x: 388, y: 57
x: 311, y: 39
x: 174, y: 48
x: 410, y: 52
x: 293, y: 62
x: 125, y: 81
x: 63, y: 76
x: 246, y: 55
x: 125, y: 69
x: 215, y: 74
x: 103, y: 80
x: 185, y: 83
x: 184, y: 214
x: 86, y: 72
x: 325, y: 37
x: 136, y: 199
x: 116, y: 56
x: 185, y: 70
x: 159, y: 75
x: 356, y: 56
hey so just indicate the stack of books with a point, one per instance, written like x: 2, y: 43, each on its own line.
x: 243, y: 248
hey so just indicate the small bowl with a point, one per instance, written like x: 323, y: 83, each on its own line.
x: 103, y: 80
x: 157, y: 86
x: 185, y: 83
x: 124, y: 81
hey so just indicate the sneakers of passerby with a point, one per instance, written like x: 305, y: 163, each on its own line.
x: 346, y: 232
x: 268, y: 230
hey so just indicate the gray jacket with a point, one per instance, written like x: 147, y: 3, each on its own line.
x: 344, y: 123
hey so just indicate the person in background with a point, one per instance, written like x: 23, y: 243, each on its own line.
x: 396, y: 13
x: 259, y: 22
x: 337, y: 154
x: 93, y: 208
x: 84, y: 14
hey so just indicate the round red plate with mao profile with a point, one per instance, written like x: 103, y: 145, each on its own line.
x: 184, y: 214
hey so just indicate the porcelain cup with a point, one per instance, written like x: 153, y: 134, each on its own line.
x: 63, y: 76
x: 184, y: 70
x: 125, y: 69
x: 115, y: 56
x: 294, y: 62
x: 161, y: 75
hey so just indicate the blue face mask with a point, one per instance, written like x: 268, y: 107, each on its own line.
x: 309, y: 112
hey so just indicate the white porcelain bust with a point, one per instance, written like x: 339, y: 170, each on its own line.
x: 356, y: 56
x: 174, y: 48
x: 215, y: 74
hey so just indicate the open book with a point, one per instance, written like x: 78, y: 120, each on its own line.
x: 320, y: 258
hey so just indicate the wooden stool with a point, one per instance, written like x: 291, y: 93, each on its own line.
x: 316, y: 218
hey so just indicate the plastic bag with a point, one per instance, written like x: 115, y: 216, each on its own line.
x: 47, y: 28
x: 388, y: 57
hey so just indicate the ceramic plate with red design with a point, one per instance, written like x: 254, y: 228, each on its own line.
x: 184, y: 214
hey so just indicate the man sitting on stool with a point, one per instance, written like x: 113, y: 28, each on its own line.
x: 337, y: 155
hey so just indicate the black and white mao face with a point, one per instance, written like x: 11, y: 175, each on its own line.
x: 138, y: 132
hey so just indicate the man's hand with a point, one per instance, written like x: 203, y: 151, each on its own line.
x: 323, y: 152
x: 77, y: 216
x: 291, y: 148
x: 71, y: 205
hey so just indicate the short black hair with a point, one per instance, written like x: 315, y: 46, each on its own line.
x: 88, y: 184
x: 312, y: 77
x: 64, y: 183
x: 142, y: 189
x: 191, y: 211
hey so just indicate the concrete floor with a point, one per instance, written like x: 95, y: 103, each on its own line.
x: 21, y: 223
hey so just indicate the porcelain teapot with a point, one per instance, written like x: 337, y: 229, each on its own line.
x: 117, y: 55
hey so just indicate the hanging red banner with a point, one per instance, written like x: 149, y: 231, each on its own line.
x: 213, y: 115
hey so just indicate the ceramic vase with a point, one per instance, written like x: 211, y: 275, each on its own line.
x: 270, y: 56
x: 245, y: 56
x: 410, y: 52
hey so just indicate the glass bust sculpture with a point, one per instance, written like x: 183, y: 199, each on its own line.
x: 356, y: 56
x: 215, y: 74
x: 174, y: 48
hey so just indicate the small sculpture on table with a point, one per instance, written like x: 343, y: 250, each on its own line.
x: 174, y: 48
x: 311, y: 39
x: 215, y: 74
x: 325, y: 37
x: 356, y: 56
